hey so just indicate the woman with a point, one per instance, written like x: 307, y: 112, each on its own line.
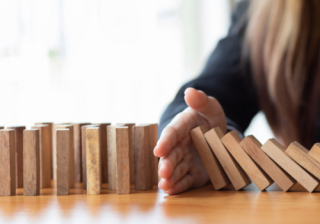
x: 269, y: 61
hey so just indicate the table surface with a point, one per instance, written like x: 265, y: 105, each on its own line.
x: 200, y: 205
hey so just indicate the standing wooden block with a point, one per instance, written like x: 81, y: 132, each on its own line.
x: 299, y: 154
x: 45, y: 155
x: 77, y: 150
x: 123, y: 162
x: 141, y: 158
x: 31, y: 162
x: 216, y: 174
x: 258, y: 176
x: 153, y: 131
x: 104, y: 151
x: 62, y: 159
x: 1, y: 127
x: 237, y: 176
x: 71, y: 157
x: 18, y: 136
x: 93, y: 161
x: 315, y: 152
x: 51, y: 125
x: 7, y: 163
x: 277, y: 153
x: 112, y: 157
x: 253, y: 147
x: 130, y: 126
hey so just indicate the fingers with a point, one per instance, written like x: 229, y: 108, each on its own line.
x: 180, y: 171
x: 182, y: 185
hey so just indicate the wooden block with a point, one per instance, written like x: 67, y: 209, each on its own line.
x: 235, y: 173
x: 51, y: 125
x: 130, y: 126
x: 77, y: 151
x: 253, y: 147
x: 258, y: 176
x: 31, y: 162
x: 7, y: 163
x: 112, y: 160
x: 45, y: 155
x: 315, y: 152
x: 71, y: 157
x: 18, y: 136
x: 1, y: 127
x: 103, y: 150
x: 141, y: 158
x: 62, y: 159
x: 299, y: 154
x: 277, y: 153
x: 123, y: 162
x: 93, y: 161
x: 153, y: 131
x: 216, y: 174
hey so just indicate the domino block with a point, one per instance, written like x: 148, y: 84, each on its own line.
x: 141, y: 158
x: 77, y: 150
x: 51, y: 125
x: 122, y: 160
x: 7, y: 163
x: 130, y: 125
x: 232, y: 142
x: 253, y: 147
x: 236, y: 174
x: 71, y: 156
x: 216, y: 174
x: 93, y: 160
x: 299, y: 154
x: 31, y: 162
x: 153, y: 131
x: 112, y: 160
x: 277, y: 153
x: 63, y: 161
x: 45, y: 155
x: 18, y: 136
x: 1, y: 127
x: 315, y: 152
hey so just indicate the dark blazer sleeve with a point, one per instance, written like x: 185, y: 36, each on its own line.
x: 224, y: 78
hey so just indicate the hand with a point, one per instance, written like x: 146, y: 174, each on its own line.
x: 180, y: 166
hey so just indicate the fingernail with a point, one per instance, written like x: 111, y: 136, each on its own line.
x: 154, y: 150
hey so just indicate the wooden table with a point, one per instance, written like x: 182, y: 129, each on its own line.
x: 201, y: 205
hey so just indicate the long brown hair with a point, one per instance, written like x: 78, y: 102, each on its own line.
x: 283, y: 38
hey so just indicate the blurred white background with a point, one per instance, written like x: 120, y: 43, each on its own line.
x: 104, y: 60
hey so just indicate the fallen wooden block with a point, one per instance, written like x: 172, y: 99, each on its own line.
x: 299, y: 154
x: 122, y: 160
x: 72, y: 178
x: 232, y: 142
x: 253, y: 147
x: 7, y: 163
x: 18, y: 136
x: 141, y: 158
x: 216, y: 174
x: 93, y: 161
x: 277, y: 153
x: 62, y: 159
x: 315, y: 152
x: 130, y: 125
x: 31, y: 162
x: 237, y: 176
x: 45, y: 155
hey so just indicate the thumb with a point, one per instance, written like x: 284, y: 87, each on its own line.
x: 207, y: 107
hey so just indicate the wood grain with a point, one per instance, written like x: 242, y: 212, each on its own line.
x: 31, y: 162
x: 93, y: 160
x: 153, y: 130
x: 7, y: 163
x: 45, y: 155
x: 253, y: 147
x: 18, y: 136
x: 315, y: 152
x: 130, y: 126
x: 232, y: 142
x: 235, y: 173
x: 277, y: 153
x: 216, y: 174
x: 299, y: 154
x: 112, y: 154
x: 123, y: 161
x: 141, y: 158
x: 63, y: 161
